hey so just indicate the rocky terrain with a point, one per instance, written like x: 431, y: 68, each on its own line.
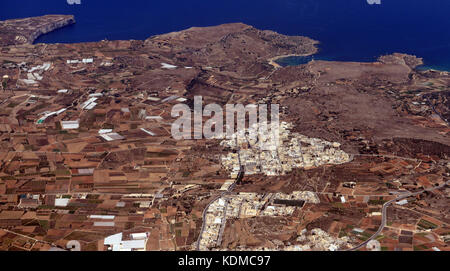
x: 85, y: 130
x: 25, y: 31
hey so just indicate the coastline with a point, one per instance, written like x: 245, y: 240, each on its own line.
x: 52, y: 26
x: 272, y: 60
x: 27, y: 30
x: 41, y: 25
x: 422, y: 66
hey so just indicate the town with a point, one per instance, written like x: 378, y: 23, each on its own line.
x: 89, y: 162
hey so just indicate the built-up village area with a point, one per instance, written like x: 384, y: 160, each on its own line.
x: 88, y: 161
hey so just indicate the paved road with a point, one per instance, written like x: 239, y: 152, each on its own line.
x: 384, y: 213
x: 206, y: 210
x: 230, y: 188
x: 204, y: 220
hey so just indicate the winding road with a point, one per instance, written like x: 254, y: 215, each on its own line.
x: 384, y: 213
x: 230, y: 188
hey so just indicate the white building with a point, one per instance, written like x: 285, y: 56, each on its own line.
x: 70, y: 124
x: 116, y: 242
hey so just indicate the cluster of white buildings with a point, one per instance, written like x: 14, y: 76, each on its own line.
x: 318, y: 239
x: 293, y: 150
x: 34, y: 74
x: 246, y: 205
x: 214, y: 219
x: 306, y: 196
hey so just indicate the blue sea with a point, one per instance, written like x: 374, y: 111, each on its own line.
x: 349, y: 30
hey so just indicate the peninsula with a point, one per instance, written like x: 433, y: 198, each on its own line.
x: 27, y: 30
x: 87, y: 154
